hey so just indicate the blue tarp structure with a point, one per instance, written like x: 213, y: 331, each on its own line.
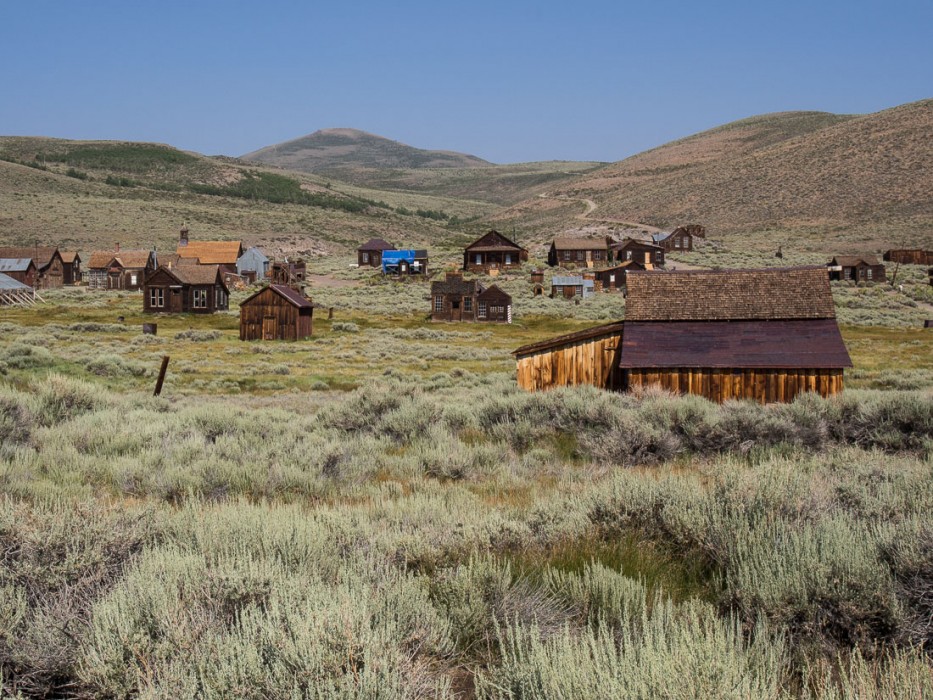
x: 391, y: 259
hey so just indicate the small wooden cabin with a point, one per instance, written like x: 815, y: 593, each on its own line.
x: 276, y: 312
x: 854, y: 268
x: 22, y: 270
x: 50, y: 270
x: 493, y: 251
x: 71, y: 268
x: 124, y: 270
x: 457, y: 299
x: 648, y: 254
x: 613, y: 278
x: 570, y: 286
x: 913, y: 256
x: 370, y: 253
x: 584, y: 252
x: 197, y: 289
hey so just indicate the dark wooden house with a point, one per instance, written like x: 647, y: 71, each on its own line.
x: 276, y: 312
x: 583, y: 252
x: 20, y: 269
x: 457, y: 299
x: 613, y: 278
x: 121, y: 269
x: 197, y: 289
x: 680, y: 240
x: 913, y: 256
x: 648, y: 254
x: 71, y: 268
x: 370, y: 253
x: 50, y: 270
x: 493, y: 251
x: 864, y: 268
x: 291, y: 273
x: 765, y: 335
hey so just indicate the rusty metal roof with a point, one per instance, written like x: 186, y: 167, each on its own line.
x: 796, y: 344
x: 711, y: 295
x: 569, y: 339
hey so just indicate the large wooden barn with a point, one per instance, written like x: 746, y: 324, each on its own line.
x: 765, y: 335
x: 276, y: 312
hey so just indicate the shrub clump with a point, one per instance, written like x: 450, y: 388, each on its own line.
x: 197, y: 336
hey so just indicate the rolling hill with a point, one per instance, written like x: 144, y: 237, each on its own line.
x: 863, y: 177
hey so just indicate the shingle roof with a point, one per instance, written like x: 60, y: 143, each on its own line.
x: 211, y: 252
x: 798, y: 344
x: 69, y: 257
x: 287, y: 293
x: 456, y: 285
x: 376, y: 244
x: 492, y: 242
x: 854, y: 260
x: 579, y: 244
x: 196, y: 274
x: 633, y: 241
x: 41, y: 255
x: 128, y: 259
x: 15, y: 264
x: 706, y: 295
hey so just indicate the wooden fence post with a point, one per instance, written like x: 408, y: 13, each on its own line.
x: 158, y: 387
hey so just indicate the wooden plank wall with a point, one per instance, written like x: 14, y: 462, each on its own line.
x: 592, y: 361
x: 762, y: 385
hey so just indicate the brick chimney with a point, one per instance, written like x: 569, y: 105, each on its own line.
x: 183, y: 235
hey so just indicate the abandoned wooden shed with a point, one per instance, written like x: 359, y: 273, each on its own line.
x: 913, y: 256
x: 586, y: 252
x: 276, y: 312
x: 613, y: 278
x: 370, y: 253
x: 457, y: 299
x: 680, y: 240
x: 584, y: 357
x: 765, y: 335
x: 124, y: 270
x: 199, y: 289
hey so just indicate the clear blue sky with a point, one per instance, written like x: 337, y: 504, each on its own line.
x: 507, y: 81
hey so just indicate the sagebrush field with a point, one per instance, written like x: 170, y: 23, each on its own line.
x: 380, y: 512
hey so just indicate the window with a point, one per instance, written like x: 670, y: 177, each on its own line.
x: 438, y: 304
x: 199, y: 298
x: 156, y: 297
x: 508, y: 258
x: 467, y: 304
x: 479, y: 259
x: 597, y: 255
x: 482, y: 309
x: 133, y: 279
x: 847, y: 273
x: 567, y: 255
x: 868, y: 273
x: 365, y: 258
x: 581, y: 255
x: 612, y: 278
x: 628, y: 255
x: 220, y: 298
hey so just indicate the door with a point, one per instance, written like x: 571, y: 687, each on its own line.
x: 269, y: 328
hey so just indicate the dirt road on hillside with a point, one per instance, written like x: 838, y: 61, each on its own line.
x: 592, y: 206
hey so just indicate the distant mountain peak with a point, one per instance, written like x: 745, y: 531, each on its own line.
x: 341, y: 149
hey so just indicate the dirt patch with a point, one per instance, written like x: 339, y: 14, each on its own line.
x: 328, y: 282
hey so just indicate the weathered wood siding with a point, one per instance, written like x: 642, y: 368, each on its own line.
x: 589, y: 361
x: 762, y: 385
x: 914, y: 256
x: 282, y: 319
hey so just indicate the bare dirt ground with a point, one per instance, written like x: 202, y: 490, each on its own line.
x: 592, y: 206
x: 326, y: 281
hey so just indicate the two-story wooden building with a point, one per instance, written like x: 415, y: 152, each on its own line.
x: 124, y: 270
x: 71, y: 267
x: 457, y: 299
x: 582, y: 252
x: 186, y: 288
x: 493, y: 251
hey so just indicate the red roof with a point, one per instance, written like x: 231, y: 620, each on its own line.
x: 797, y: 344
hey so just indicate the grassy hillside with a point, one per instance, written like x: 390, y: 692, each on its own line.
x: 94, y: 194
x: 854, y: 179
x: 330, y: 150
